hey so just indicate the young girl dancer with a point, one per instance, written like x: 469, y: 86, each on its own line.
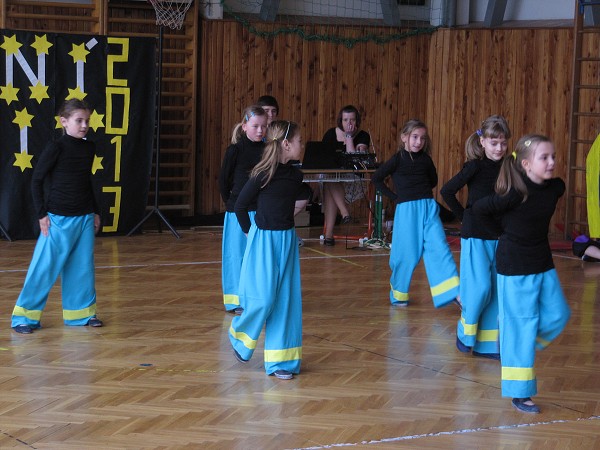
x: 533, y: 308
x: 68, y: 210
x: 477, y: 328
x: 240, y: 158
x: 270, y: 281
x: 418, y: 229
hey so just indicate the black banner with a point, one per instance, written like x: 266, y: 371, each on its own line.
x: 116, y: 77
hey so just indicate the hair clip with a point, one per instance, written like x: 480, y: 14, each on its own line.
x: 527, y: 143
x: 251, y: 115
x: 514, y: 154
x: 479, y: 132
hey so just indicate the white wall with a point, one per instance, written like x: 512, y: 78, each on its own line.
x: 527, y: 10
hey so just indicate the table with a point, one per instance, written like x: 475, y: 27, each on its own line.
x: 374, y: 229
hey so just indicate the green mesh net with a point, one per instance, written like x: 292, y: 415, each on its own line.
x: 322, y: 20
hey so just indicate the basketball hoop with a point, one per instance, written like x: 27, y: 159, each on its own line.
x: 171, y: 13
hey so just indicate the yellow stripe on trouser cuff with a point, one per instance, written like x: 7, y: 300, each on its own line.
x: 400, y: 296
x: 247, y: 340
x: 445, y: 286
x: 33, y: 314
x: 518, y: 373
x: 543, y: 343
x: 75, y: 314
x: 487, y: 335
x: 469, y: 329
x: 288, y: 354
x: 231, y: 299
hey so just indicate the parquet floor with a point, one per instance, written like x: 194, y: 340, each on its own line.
x: 161, y: 375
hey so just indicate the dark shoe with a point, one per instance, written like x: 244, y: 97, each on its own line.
x: 283, y: 374
x: 494, y: 356
x: 462, y: 347
x: 346, y: 219
x: 238, y: 311
x: 519, y: 403
x: 239, y: 357
x: 94, y: 322
x: 330, y: 242
x: 591, y: 259
x: 402, y: 304
x: 23, y: 329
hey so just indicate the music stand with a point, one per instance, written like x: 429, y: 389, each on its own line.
x: 171, y: 14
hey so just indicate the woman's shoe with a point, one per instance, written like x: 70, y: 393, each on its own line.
x: 346, y: 219
x: 329, y: 241
x: 23, y: 329
x: 521, y: 405
x: 95, y: 322
x: 283, y: 374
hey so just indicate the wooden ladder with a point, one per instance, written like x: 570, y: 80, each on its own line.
x: 585, y: 119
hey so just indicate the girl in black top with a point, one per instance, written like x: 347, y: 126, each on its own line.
x: 477, y: 328
x: 418, y: 230
x: 270, y: 277
x: 533, y: 308
x: 67, y: 207
x: 240, y: 158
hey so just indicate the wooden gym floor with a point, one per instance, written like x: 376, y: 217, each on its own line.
x: 161, y: 375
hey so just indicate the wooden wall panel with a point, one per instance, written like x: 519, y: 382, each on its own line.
x: 311, y: 80
x: 523, y: 74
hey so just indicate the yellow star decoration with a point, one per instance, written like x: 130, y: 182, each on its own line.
x: 96, y: 120
x: 58, y: 124
x: 41, y: 45
x: 11, y: 45
x: 9, y: 93
x: 23, y: 161
x: 97, y: 164
x: 76, y: 93
x: 79, y: 53
x: 23, y: 118
x: 39, y: 92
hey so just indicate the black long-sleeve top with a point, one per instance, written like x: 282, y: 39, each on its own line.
x: 413, y: 174
x: 362, y: 137
x: 523, y: 246
x: 275, y: 202
x: 67, y: 165
x: 239, y: 160
x: 479, y: 175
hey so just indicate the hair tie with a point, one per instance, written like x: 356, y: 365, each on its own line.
x: 514, y: 154
x: 527, y: 143
x: 275, y: 139
x: 479, y: 132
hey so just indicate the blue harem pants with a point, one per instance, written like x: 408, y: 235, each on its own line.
x: 232, y: 250
x: 478, y: 324
x: 271, y: 294
x: 533, y: 312
x: 418, y: 232
x: 68, y: 251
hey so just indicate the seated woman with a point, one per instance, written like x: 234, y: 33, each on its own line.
x: 355, y: 141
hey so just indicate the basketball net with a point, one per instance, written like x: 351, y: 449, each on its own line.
x: 171, y: 13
